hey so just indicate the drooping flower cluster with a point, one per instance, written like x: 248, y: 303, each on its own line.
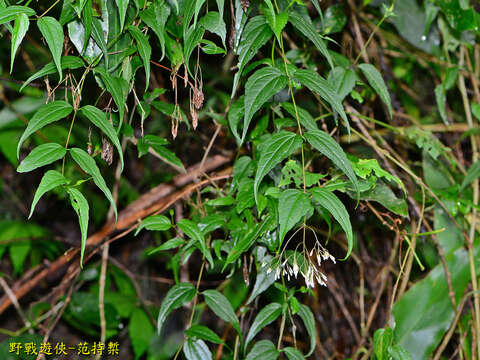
x: 305, y: 263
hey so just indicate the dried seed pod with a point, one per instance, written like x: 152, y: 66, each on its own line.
x: 107, y: 151
x: 245, y: 5
x: 198, y: 98
x: 185, y: 76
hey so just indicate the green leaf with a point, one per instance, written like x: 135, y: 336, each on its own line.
x: 140, y: 330
x: 40, y: 156
x: 220, y: 305
x: 332, y: 204
x: 334, y: 20
x: 260, y: 87
x: 196, y: 350
x: 192, y: 9
x: 170, y: 244
x: 193, y: 232
x: 263, y: 281
x: 382, y: 339
x: 99, y: 119
x: 67, y: 62
x: 266, y: 316
x: 472, y: 174
x: 213, y: 22
x: 293, y: 205
x: 306, y: 119
x: 204, y: 333
x: 154, y: 222
x: 255, y: 34
x: 425, y: 312
x: 192, y: 38
x: 322, y: 87
x: 276, y: 149
x: 306, y: 27
x: 309, y: 320
x: 376, y: 82
x: 50, y: 180
x: 87, y: 164
x: 293, y: 354
x: 343, y: 80
x: 247, y: 240
x: 99, y: 37
x: 119, y: 89
x: 276, y: 21
x: 80, y: 205
x: 10, y: 13
x: 155, y: 16
x: 326, y: 145
x: 47, y: 114
x: 52, y: 31
x: 19, y: 30
x: 144, y: 49
x: 176, y: 297
x: 264, y: 350
x: 122, y: 10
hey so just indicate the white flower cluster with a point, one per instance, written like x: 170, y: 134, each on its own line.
x: 307, y: 268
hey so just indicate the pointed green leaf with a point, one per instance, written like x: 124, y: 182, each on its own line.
x: 192, y: 38
x: 169, y: 156
x: 87, y: 164
x: 220, y: 305
x: 305, y: 26
x: 67, y: 62
x: 119, y: 89
x: 276, y: 21
x: 192, y: 9
x: 122, y: 11
x: 19, y: 30
x: 52, y: 31
x: 40, y: 156
x: 80, y: 205
x: 176, y: 297
x: 155, y: 16
x: 193, y: 232
x: 293, y: 354
x: 213, y: 22
x: 326, y: 145
x: 306, y: 119
x: 140, y: 330
x: 47, y: 114
x: 322, y: 87
x: 472, y: 174
x: 196, y: 350
x: 154, y: 222
x: 441, y: 99
x: 50, y: 180
x: 255, y: 34
x: 99, y: 37
x: 99, y: 119
x: 309, y: 321
x: 293, y: 205
x: 247, y: 240
x: 144, y: 49
x: 266, y: 316
x: 332, y: 204
x: 276, y: 149
x: 204, y: 333
x: 375, y: 80
x: 263, y: 281
x: 260, y: 87
x: 10, y: 13
x: 263, y: 349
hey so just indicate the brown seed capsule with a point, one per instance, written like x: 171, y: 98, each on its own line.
x: 107, y: 151
x: 198, y: 98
